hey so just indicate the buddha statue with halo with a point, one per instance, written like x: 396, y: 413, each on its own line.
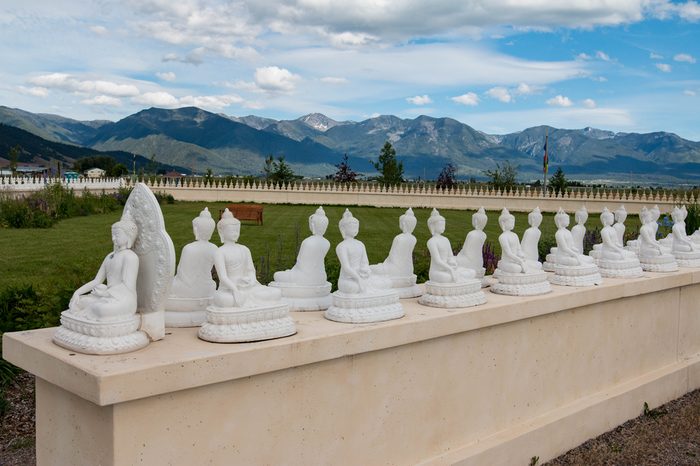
x: 305, y: 286
x: 652, y: 256
x: 242, y: 309
x: 613, y: 260
x: 685, y: 251
x: 449, y: 285
x: 571, y: 268
x: 121, y: 309
x: 193, y: 288
x: 398, y: 266
x: 361, y: 297
x: 517, y: 274
x: 472, y: 254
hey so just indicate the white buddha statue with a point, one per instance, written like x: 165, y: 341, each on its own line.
x: 652, y: 256
x: 398, y: 266
x: 117, y: 298
x: 687, y: 254
x: 449, y: 285
x: 242, y: 309
x: 517, y: 274
x: 572, y: 267
x: 531, y: 236
x: 121, y: 309
x: 192, y: 287
x: 305, y: 286
x: 619, y: 225
x: 361, y: 296
x: 578, y: 232
x: 472, y: 254
x: 613, y: 260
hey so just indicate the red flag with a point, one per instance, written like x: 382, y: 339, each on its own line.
x: 545, y: 162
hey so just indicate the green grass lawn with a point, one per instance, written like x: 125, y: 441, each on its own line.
x: 74, y: 248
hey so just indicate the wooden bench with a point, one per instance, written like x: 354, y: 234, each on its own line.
x: 246, y: 212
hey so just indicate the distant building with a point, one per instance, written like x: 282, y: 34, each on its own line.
x: 71, y: 175
x: 173, y: 174
x: 95, y: 173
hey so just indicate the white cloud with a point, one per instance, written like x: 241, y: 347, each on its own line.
x: 655, y: 56
x: 420, y: 100
x: 275, y: 79
x: 157, y: 99
x: 527, y: 89
x: 690, y: 11
x: 334, y: 80
x: 35, y: 91
x: 589, y: 103
x: 166, y: 76
x: 583, y: 56
x: 102, y: 100
x: 684, y: 57
x: 560, y: 101
x: 209, y: 102
x: 602, y: 56
x: 666, y: 68
x: 600, y: 79
x: 500, y: 93
x: 99, y: 30
x: 351, y: 39
x: 70, y: 83
x: 689, y: 93
x: 470, y: 99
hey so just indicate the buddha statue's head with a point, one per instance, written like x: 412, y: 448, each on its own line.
x: 407, y: 221
x: 677, y: 215
x: 506, y: 220
x: 561, y: 219
x: 229, y: 227
x: 581, y: 215
x: 655, y: 212
x: 203, y: 225
x: 124, y: 232
x: 318, y: 222
x: 534, y: 218
x: 479, y: 219
x: 645, y: 215
x: 349, y: 225
x: 436, y: 223
x: 620, y: 214
x: 606, y: 217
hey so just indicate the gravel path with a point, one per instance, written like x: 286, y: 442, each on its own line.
x: 668, y: 435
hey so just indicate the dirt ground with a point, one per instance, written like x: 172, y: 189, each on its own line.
x: 668, y: 435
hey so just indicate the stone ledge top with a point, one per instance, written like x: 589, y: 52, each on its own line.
x: 182, y: 361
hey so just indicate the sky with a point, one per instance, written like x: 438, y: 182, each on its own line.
x: 499, y: 66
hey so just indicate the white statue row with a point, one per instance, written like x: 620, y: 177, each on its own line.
x: 103, y: 318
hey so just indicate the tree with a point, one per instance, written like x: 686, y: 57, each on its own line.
x: 503, y: 178
x: 209, y: 176
x: 345, y: 174
x: 118, y: 170
x: 13, y: 155
x: 278, y: 171
x: 558, y: 182
x: 447, y: 177
x: 390, y: 168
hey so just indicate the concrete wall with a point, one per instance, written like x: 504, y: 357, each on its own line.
x: 21, y: 186
x: 495, y: 384
x: 523, y: 199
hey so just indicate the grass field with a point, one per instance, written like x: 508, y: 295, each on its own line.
x: 73, y: 249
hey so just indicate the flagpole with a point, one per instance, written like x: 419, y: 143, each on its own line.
x: 545, y: 165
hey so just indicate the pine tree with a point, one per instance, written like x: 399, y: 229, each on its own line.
x: 390, y: 168
x: 447, y: 177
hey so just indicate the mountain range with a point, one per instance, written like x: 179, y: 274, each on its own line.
x: 313, y: 144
